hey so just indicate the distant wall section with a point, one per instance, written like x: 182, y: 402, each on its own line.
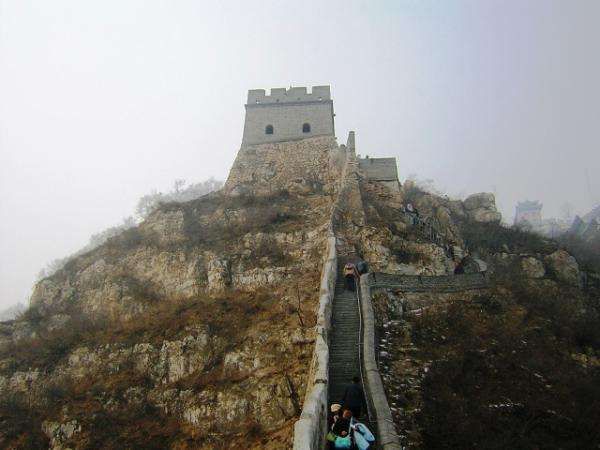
x: 382, y: 170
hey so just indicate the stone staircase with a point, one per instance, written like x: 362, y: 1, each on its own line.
x: 345, y: 339
x: 344, y: 362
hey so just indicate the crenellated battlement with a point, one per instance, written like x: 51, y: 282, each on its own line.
x: 291, y: 95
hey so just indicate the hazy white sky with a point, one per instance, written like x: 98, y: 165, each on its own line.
x: 103, y: 101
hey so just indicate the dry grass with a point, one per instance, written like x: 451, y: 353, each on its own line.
x: 231, y: 316
x: 512, y: 347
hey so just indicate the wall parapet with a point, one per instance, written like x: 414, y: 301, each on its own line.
x: 311, y: 428
x: 291, y: 95
x: 422, y: 283
x: 386, y: 432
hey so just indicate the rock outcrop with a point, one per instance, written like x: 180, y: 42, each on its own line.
x: 563, y: 267
x: 532, y: 267
x: 482, y: 207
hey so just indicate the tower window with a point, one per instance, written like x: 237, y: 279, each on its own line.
x: 269, y: 129
x: 306, y: 128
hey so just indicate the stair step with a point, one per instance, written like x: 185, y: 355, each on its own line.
x: 344, y: 345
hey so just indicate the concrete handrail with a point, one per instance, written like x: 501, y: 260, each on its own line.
x: 311, y: 428
x: 386, y: 432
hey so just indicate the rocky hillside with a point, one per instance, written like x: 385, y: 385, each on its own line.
x: 193, y: 330
x: 196, y: 328
x: 429, y: 241
x: 514, y: 365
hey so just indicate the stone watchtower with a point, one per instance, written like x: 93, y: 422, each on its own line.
x: 289, y: 144
x: 288, y: 115
x: 529, y: 212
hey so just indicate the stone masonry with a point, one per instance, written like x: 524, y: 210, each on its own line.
x: 297, y: 166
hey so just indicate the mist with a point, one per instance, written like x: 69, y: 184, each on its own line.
x: 104, y: 102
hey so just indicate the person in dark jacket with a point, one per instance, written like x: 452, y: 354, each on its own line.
x: 362, y: 267
x: 341, y: 427
x: 354, y: 398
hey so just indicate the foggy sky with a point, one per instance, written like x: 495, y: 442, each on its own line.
x: 101, y: 102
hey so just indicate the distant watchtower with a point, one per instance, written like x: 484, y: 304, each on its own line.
x: 530, y: 212
x: 288, y: 114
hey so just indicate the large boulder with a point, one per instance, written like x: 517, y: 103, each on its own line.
x: 481, y: 207
x: 470, y: 264
x: 532, y: 267
x: 563, y: 267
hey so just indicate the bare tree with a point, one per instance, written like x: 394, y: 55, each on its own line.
x: 299, y: 305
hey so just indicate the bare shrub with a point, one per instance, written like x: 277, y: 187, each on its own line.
x: 494, y: 237
x: 503, y: 375
x: 21, y: 427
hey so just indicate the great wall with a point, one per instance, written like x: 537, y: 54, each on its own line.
x: 343, y: 322
x: 346, y: 323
